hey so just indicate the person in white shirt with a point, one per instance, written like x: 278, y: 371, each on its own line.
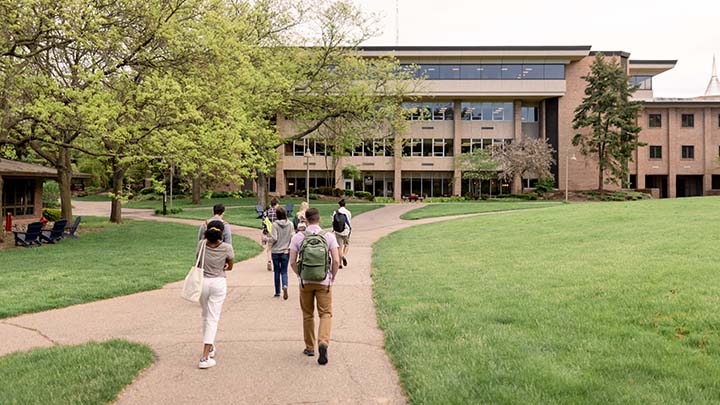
x: 342, y: 229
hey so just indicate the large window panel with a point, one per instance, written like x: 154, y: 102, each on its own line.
x: 533, y: 71
x: 416, y: 147
x: 491, y: 72
x: 430, y: 72
x: 299, y: 147
x: 427, y: 144
x: 554, y: 72
x: 449, y: 72
x: 471, y: 72
x: 465, y: 145
x: 511, y: 72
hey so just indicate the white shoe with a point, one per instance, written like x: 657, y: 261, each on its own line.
x: 212, y: 352
x: 207, y: 363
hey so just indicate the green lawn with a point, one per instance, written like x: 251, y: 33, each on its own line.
x: 112, y: 261
x: 460, y: 208
x: 585, y: 303
x: 93, y: 373
x: 247, y: 216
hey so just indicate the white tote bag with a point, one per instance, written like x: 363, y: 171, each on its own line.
x: 192, y: 287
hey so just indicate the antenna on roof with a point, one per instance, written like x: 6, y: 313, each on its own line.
x: 397, y: 22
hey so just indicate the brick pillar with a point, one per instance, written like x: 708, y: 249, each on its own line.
x: 541, y: 119
x: 397, y: 178
x: 339, y: 178
x: 673, y: 153
x: 517, y: 136
x: 708, y: 161
x: 457, y: 141
x: 280, y: 188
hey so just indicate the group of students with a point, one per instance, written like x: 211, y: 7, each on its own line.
x: 314, y: 255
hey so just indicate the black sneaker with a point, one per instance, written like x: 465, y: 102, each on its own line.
x: 322, y: 360
x: 344, y: 260
x: 308, y: 352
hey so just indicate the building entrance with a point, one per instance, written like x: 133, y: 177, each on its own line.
x: 658, y: 182
x: 689, y: 186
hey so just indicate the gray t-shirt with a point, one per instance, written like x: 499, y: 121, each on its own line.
x: 215, y: 258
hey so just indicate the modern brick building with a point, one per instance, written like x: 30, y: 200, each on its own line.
x: 476, y: 96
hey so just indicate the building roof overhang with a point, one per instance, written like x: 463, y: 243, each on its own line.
x: 550, y: 52
x: 13, y: 168
x: 650, y: 67
x: 705, y: 101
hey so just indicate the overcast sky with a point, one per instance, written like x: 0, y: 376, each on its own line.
x: 688, y: 31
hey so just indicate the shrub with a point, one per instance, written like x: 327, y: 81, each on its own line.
x: 545, y: 185
x: 52, y: 214
x: 444, y: 199
x: 147, y: 190
x: 159, y: 211
x: 364, y: 195
x: 51, y: 194
x: 248, y: 194
x: 207, y: 195
x: 338, y: 192
x: 384, y: 200
x: 314, y: 196
x: 348, y: 193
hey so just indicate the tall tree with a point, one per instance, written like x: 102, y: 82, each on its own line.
x: 523, y: 159
x: 610, y: 117
x: 477, y: 166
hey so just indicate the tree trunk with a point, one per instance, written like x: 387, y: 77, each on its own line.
x: 601, y: 181
x: 262, y: 195
x: 196, y: 189
x: 2, y: 231
x: 64, y: 169
x: 118, y: 174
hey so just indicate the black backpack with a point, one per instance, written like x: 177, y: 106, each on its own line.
x: 339, y: 221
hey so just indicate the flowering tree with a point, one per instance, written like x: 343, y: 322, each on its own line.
x: 524, y: 159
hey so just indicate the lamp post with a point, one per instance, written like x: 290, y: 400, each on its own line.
x: 567, y: 170
x: 307, y: 155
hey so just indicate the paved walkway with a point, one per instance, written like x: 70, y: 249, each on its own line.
x: 259, y: 340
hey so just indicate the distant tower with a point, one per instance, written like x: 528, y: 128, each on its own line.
x: 713, y: 88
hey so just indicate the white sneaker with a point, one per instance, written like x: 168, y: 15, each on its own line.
x: 207, y: 363
x: 212, y: 352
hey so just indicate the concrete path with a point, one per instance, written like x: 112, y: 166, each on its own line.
x: 259, y: 341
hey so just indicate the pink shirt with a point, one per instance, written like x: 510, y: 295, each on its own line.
x: 297, y: 240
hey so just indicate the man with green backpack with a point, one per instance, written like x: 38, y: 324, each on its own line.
x: 314, y: 258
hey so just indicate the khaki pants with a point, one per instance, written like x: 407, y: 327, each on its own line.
x: 323, y: 295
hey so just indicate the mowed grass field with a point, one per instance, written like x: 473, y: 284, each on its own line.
x: 107, y: 260
x: 92, y: 373
x: 473, y: 207
x: 247, y: 216
x: 583, y: 303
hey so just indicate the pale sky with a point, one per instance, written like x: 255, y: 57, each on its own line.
x: 688, y: 31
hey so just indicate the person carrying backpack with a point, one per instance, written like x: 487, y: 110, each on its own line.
x: 282, y: 232
x: 342, y: 229
x: 299, y: 221
x: 269, y: 216
x: 316, y: 269
x: 218, y: 215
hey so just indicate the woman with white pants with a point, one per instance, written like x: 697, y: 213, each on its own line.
x: 218, y: 258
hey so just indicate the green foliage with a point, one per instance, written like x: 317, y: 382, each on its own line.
x: 545, y: 185
x: 364, y: 195
x: 170, y: 211
x: 351, y: 172
x: 443, y: 199
x: 314, y: 196
x: 602, y: 306
x: 51, y: 194
x: 609, y: 118
x: 348, y: 193
x: 384, y: 200
x: 91, y: 373
x: 52, y: 214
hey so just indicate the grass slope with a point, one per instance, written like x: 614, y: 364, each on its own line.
x: 247, y: 216
x: 116, y: 260
x: 588, y: 303
x: 460, y: 208
x: 92, y: 373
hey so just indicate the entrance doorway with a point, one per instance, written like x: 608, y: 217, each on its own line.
x: 689, y: 186
x: 348, y: 184
x: 658, y: 182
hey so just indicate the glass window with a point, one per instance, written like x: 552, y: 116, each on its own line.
x: 554, y: 72
x: 442, y: 111
x: 655, y: 152
x: 533, y: 71
x: 290, y: 149
x: 18, y: 197
x: 643, y: 82
x: 471, y: 111
x: 379, y: 147
x: 449, y: 147
x: 688, y: 152
x: 688, y: 120
x: 655, y: 120
x: 465, y: 145
x: 471, y: 72
x: 476, y: 144
x: 487, y: 111
x: 491, y: 72
x: 430, y: 72
x: 438, y: 147
x: 511, y: 72
x: 427, y: 147
x: 359, y: 150
x: 715, y: 182
x: 320, y: 149
x: 487, y: 143
x: 450, y: 72
x: 416, y: 147
x: 529, y: 114
x: 299, y: 147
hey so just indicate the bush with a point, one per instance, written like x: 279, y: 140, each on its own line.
x: 51, y: 194
x: 471, y: 196
x: 545, y: 185
x: 314, y: 196
x: 338, y: 192
x: 248, y: 194
x: 349, y: 193
x: 444, y: 199
x: 147, y: 190
x: 52, y: 214
x: 384, y: 200
x: 159, y: 211
x: 366, y: 195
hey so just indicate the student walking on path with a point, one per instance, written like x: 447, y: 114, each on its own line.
x: 218, y: 215
x: 342, y: 229
x: 269, y: 216
x: 317, y: 269
x: 299, y: 221
x: 282, y: 231
x: 217, y: 259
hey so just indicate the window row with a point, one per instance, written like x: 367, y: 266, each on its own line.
x: 490, y: 72
x: 686, y: 120
x: 474, y: 144
x: 423, y: 111
x: 487, y: 111
x: 428, y: 147
x: 376, y: 147
x: 687, y: 152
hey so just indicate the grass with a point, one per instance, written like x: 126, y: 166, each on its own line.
x: 247, y: 216
x: 460, y: 208
x: 112, y: 261
x: 586, y: 303
x: 92, y: 373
